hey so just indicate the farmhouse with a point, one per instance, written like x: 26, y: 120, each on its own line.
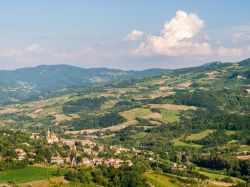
x: 86, y: 161
x: 69, y: 142
x: 129, y: 162
x: 57, y: 160
x: 35, y: 136
x: 21, y: 154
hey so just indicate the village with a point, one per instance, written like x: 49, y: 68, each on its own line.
x: 85, y: 152
x: 89, y: 153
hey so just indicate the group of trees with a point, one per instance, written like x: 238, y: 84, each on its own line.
x: 36, y: 150
x: 233, y: 166
x: 109, y: 176
x: 83, y: 104
x: 213, y: 139
x: 94, y: 121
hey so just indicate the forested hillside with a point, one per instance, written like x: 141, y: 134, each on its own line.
x: 30, y: 83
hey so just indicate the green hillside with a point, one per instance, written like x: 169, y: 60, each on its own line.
x: 192, y: 123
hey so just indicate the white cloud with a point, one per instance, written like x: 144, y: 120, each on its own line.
x: 134, y: 35
x: 176, y: 38
x: 230, y: 52
x: 35, y: 55
x: 35, y: 49
x: 32, y: 51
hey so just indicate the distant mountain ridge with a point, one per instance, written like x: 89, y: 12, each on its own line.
x: 25, y: 83
x: 19, y: 84
x: 46, y: 77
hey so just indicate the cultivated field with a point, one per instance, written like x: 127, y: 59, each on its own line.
x: 199, y: 136
x: 158, y: 180
x: 114, y: 128
x: 243, y: 157
x: 134, y: 113
x: 28, y: 174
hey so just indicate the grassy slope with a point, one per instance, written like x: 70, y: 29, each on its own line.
x: 169, y: 116
x: 158, y: 180
x: 219, y: 176
x: 31, y: 173
x: 199, y: 136
x: 138, y: 112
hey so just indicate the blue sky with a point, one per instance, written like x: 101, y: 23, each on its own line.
x: 129, y: 34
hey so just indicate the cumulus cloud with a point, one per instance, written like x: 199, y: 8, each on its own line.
x: 134, y: 35
x: 177, y: 38
x: 230, y: 52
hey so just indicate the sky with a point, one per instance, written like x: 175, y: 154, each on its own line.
x: 129, y: 34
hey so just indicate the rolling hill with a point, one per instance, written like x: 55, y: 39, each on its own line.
x: 31, y: 82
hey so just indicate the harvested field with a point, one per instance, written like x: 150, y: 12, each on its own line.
x: 185, y: 84
x: 107, y: 95
x: 155, y: 122
x: 160, y: 82
x: 173, y: 107
x: 221, y: 183
x: 10, y: 110
x: 114, y: 128
x: 38, y: 110
x: 161, y: 94
x: 243, y: 157
x: 43, y: 183
x: 62, y: 117
x: 153, y: 116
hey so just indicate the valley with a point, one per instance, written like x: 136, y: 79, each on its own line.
x: 182, y: 127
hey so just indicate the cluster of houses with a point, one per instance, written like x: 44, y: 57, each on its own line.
x: 87, y: 152
x: 90, y: 148
x: 119, y: 149
x: 116, y: 163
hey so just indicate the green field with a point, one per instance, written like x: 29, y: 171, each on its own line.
x: 140, y: 135
x: 169, y: 116
x: 158, y: 180
x: 244, y: 148
x: 28, y: 174
x: 199, y: 136
x: 177, y: 142
x: 136, y: 113
x: 219, y: 176
x: 108, y: 104
x: 230, y: 133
